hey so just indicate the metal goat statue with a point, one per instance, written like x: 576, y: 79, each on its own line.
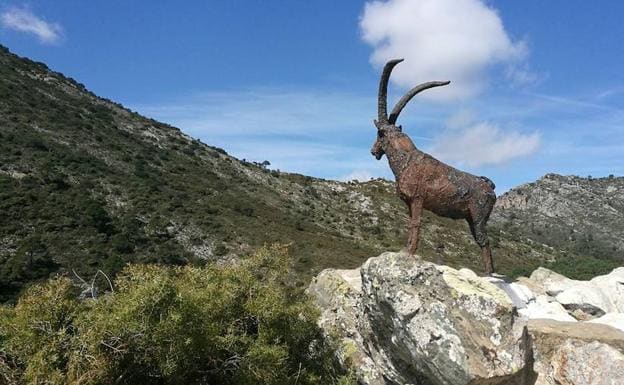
x: 424, y: 182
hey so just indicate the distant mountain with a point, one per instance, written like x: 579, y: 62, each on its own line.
x: 581, y: 216
x: 87, y: 184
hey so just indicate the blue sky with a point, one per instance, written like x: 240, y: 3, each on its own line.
x: 537, y: 86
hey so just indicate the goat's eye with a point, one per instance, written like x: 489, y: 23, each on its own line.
x: 380, y: 134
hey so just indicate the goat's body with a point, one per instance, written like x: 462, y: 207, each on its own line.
x: 424, y: 182
x: 444, y: 190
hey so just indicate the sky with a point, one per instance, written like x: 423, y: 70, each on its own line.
x: 536, y: 86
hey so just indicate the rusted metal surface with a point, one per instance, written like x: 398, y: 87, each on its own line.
x: 424, y: 182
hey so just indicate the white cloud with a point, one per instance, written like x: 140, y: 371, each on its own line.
x: 521, y: 75
x: 23, y: 20
x: 461, y: 118
x: 455, y: 40
x: 483, y: 144
x: 263, y: 111
x: 324, y: 133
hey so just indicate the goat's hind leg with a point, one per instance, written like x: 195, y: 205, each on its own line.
x: 477, y: 228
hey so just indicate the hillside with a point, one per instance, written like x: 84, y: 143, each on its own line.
x: 87, y: 184
x: 580, y: 216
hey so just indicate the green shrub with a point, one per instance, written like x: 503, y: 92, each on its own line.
x: 220, y: 249
x: 36, y: 336
x: 218, y: 324
x: 583, y: 268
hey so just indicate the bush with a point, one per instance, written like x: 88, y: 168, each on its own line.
x: 220, y: 249
x: 584, y: 268
x: 218, y: 324
x: 36, y: 336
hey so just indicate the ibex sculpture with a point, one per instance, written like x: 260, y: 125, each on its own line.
x: 424, y: 182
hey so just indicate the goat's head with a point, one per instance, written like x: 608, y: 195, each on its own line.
x: 385, y: 133
x: 386, y: 127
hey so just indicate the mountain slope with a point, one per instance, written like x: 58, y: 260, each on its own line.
x: 582, y: 216
x: 86, y: 184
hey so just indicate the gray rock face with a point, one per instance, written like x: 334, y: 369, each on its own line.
x: 338, y: 293
x: 562, y: 211
x: 400, y: 320
x: 416, y: 322
x: 440, y: 324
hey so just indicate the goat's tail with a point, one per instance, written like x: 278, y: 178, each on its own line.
x: 489, y: 181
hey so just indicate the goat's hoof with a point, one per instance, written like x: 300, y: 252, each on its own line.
x: 407, y: 252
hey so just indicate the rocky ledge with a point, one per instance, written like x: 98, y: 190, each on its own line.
x: 401, y: 320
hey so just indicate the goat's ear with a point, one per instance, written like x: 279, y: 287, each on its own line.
x: 376, y: 123
x: 400, y: 128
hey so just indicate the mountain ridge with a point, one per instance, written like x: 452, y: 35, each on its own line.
x: 582, y: 215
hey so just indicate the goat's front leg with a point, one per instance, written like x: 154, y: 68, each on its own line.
x: 415, y: 209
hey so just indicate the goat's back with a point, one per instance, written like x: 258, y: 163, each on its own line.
x: 443, y: 189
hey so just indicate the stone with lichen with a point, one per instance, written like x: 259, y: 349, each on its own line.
x: 415, y: 321
x: 401, y: 320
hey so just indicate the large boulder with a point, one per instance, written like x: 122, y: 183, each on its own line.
x: 584, y: 300
x: 338, y: 293
x: 612, y: 285
x: 401, y: 320
x: 550, y: 282
x: 420, y: 323
x: 574, y: 353
x: 440, y: 324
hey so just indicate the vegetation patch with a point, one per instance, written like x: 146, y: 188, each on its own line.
x: 218, y: 324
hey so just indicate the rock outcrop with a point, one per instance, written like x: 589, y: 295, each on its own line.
x: 568, y: 213
x: 401, y: 320
x: 576, y: 353
x: 584, y: 300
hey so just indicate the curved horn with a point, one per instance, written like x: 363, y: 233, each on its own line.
x: 382, y: 96
x: 408, y: 96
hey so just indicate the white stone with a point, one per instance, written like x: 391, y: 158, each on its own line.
x: 615, y: 320
x: 585, y: 295
x: 552, y: 283
x: 544, y: 308
x: 522, y: 291
x: 519, y: 294
x: 612, y: 285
